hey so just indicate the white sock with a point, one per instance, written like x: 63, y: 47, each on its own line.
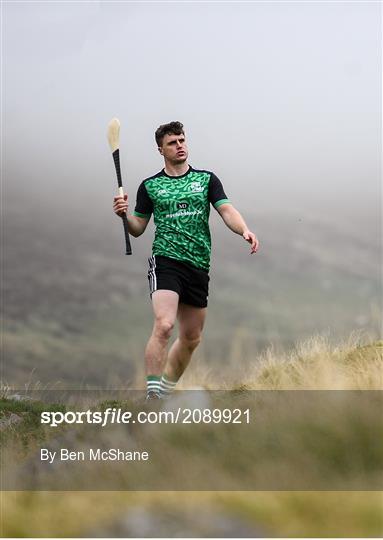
x: 153, y: 385
x: 167, y: 386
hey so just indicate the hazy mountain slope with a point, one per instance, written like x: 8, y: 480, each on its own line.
x: 76, y: 308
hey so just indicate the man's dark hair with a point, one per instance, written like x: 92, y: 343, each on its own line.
x: 173, y: 128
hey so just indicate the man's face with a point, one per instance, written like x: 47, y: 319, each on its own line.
x: 174, y: 148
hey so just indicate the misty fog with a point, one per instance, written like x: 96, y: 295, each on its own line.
x: 280, y: 99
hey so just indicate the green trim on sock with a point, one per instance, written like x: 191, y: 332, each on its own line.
x: 153, y: 385
x: 166, y: 378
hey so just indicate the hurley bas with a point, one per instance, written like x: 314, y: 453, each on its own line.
x: 93, y: 454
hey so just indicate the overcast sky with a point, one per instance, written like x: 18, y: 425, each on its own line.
x: 281, y: 99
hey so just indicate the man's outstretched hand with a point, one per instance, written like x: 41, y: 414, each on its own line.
x: 252, y: 239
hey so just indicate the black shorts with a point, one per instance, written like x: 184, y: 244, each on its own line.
x: 191, y: 283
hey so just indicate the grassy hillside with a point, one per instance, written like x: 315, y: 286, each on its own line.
x: 315, y: 364
x: 77, y: 310
x: 315, y: 442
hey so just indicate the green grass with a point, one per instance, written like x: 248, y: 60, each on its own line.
x: 343, y: 448
x: 24, y: 435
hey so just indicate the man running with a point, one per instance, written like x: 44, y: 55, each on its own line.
x: 179, y: 197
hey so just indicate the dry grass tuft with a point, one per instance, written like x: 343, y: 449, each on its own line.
x: 315, y: 364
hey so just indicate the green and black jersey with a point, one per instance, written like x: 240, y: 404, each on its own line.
x: 181, y: 208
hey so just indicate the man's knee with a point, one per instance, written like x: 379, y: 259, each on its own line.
x: 163, y: 328
x: 191, y: 340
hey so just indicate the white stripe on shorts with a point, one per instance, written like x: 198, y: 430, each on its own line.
x: 152, y: 274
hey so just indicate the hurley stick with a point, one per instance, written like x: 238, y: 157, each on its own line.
x: 114, y: 143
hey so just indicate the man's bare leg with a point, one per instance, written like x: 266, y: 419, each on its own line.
x: 191, y: 320
x: 165, y: 305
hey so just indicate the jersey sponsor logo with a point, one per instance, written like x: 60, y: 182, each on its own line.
x: 162, y: 192
x: 182, y: 205
x: 185, y: 213
x: 196, y: 187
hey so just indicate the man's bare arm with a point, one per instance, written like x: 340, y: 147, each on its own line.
x: 137, y: 225
x: 236, y: 223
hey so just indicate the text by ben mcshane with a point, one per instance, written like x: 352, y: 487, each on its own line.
x: 92, y: 454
